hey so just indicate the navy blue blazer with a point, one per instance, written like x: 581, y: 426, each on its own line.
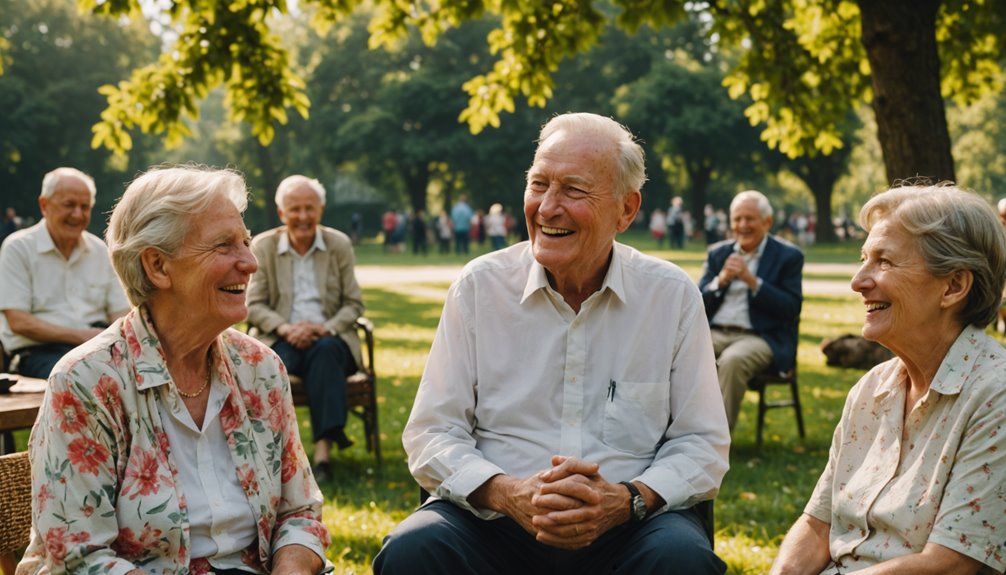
x: 775, y: 311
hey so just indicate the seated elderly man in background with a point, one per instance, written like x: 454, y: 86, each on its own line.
x: 752, y: 289
x: 305, y: 300
x: 914, y: 480
x: 169, y: 442
x: 58, y: 287
x: 568, y: 417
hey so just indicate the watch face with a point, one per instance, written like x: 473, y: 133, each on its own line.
x: 639, y: 508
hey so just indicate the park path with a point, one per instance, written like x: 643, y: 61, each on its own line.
x: 417, y: 280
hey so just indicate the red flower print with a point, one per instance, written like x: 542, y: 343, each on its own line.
x: 289, y: 461
x: 133, y: 342
x: 975, y: 504
x: 44, y: 495
x: 141, y: 474
x: 87, y: 510
x: 86, y: 454
x: 199, y: 566
x: 246, y: 476
x: 319, y: 531
x: 250, y: 352
x: 55, y: 544
x: 277, y: 415
x: 126, y: 545
x: 253, y: 403
x: 229, y: 419
x: 78, y: 538
x: 107, y: 392
x: 70, y: 412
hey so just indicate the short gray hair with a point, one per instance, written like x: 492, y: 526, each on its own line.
x: 291, y: 182
x: 956, y: 230
x: 764, y: 207
x: 630, y: 161
x: 156, y: 212
x: 51, y: 181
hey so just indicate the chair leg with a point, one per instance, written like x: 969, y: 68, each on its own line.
x: 799, y: 410
x: 762, y: 408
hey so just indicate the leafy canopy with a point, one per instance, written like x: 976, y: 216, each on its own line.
x: 800, y: 61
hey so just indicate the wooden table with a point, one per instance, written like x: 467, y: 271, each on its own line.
x: 19, y: 408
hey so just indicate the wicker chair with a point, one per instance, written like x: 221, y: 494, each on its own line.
x: 15, y: 508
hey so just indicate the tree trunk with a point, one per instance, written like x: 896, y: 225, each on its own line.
x: 699, y: 174
x: 417, y: 180
x: 270, y: 181
x: 900, y: 42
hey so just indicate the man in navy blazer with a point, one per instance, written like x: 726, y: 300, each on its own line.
x: 751, y: 286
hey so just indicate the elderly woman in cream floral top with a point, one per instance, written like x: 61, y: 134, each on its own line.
x: 169, y: 444
x: 915, y: 478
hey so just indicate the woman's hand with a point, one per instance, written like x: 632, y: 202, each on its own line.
x: 296, y: 560
x: 804, y: 551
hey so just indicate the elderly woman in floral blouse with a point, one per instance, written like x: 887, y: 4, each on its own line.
x: 915, y: 478
x: 169, y: 443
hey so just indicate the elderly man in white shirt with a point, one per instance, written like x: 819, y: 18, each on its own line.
x: 58, y: 288
x: 569, y: 416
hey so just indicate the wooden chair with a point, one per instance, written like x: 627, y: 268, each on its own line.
x: 761, y: 382
x: 15, y: 508
x: 361, y: 389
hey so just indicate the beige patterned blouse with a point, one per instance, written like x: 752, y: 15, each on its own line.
x: 894, y: 483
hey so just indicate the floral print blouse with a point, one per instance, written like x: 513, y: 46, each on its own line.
x: 105, y: 491
x: 894, y: 483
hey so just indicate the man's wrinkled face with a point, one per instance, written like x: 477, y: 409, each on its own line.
x: 67, y: 211
x: 301, y: 212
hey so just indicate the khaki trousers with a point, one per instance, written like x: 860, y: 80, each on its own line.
x: 739, y: 356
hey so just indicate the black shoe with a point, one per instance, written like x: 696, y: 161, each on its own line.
x: 322, y: 472
x: 341, y: 440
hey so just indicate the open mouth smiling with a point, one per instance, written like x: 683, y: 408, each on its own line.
x: 559, y: 232
x: 235, y: 289
x: 876, y: 306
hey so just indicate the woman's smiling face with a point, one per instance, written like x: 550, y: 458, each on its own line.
x: 902, y: 297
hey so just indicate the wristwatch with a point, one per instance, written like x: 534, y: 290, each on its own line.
x: 637, y: 505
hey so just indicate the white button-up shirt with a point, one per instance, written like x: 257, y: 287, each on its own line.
x: 516, y: 376
x: 306, y: 298
x: 221, y: 523
x: 734, y: 309
x: 74, y: 292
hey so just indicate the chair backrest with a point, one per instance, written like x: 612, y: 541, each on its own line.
x: 15, y: 507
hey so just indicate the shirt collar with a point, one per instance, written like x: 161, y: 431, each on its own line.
x: 758, y: 251
x: 44, y: 243
x: 537, y: 279
x: 954, y: 370
x: 283, y: 245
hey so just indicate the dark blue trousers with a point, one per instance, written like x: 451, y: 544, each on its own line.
x: 323, y: 367
x: 443, y: 538
x: 38, y: 361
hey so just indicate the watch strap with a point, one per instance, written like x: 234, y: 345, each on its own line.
x: 634, y: 496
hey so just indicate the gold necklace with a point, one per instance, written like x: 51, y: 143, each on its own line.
x: 202, y: 388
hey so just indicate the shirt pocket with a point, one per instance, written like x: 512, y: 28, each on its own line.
x: 636, y: 416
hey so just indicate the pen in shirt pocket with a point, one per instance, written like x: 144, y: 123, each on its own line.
x: 611, y: 389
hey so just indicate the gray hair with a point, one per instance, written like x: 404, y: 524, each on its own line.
x: 956, y: 230
x: 292, y: 182
x: 51, y: 181
x: 156, y: 212
x: 631, y: 161
x: 764, y: 207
